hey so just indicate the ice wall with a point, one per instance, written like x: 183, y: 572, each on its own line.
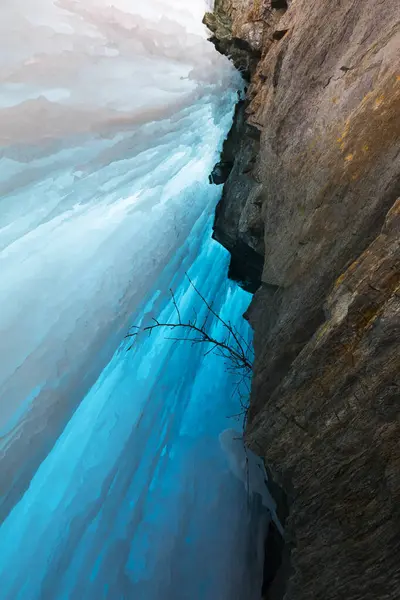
x: 111, y: 118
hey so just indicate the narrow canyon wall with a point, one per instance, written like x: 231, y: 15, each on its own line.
x: 311, y: 203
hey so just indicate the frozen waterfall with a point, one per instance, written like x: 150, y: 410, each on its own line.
x: 122, y: 473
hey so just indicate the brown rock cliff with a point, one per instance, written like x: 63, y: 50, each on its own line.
x: 314, y: 195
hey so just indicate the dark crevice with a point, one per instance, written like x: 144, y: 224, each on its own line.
x: 277, y: 552
x: 278, y: 67
x: 275, y: 584
x: 246, y: 267
x: 279, y: 4
x: 220, y: 172
x: 279, y: 34
x: 243, y: 45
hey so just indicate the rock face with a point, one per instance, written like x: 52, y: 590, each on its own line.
x: 238, y: 224
x: 314, y: 194
x: 237, y: 30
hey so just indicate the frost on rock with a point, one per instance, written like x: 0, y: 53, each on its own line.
x: 114, y: 483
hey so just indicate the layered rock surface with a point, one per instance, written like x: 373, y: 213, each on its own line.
x: 313, y: 196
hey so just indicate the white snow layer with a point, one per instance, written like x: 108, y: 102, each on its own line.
x: 115, y: 480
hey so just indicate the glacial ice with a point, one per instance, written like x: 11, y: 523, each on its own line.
x: 122, y: 475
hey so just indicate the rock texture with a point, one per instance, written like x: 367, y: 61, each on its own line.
x: 314, y: 194
x: 238, y: 224
x: 237, y: 27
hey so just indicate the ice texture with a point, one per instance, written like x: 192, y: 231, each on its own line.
x: 120, y: 471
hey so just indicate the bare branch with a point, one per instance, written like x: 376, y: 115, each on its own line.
x: 176, y: 306
x: 232, y: 347
x: 217, y: 316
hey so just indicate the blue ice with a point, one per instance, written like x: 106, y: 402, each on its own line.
x: 123, y: 472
